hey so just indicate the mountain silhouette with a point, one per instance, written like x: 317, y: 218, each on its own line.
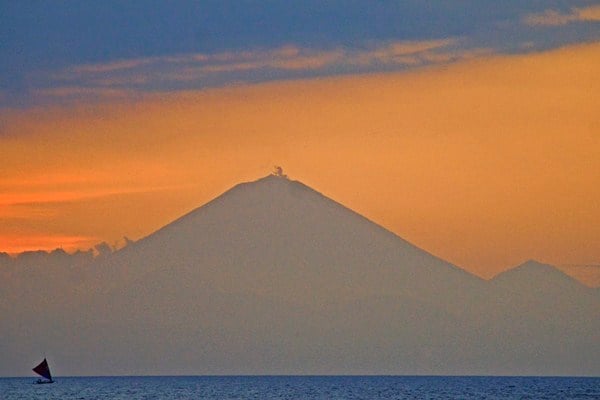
x: 272, y: 277
x: 280, y: 238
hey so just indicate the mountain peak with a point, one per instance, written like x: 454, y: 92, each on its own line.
x: 282, y: 232
x: 535, y: 273
x: 277, y: 175
x: 273, y: 188
x: 535, y: 265
x: 271, y: 179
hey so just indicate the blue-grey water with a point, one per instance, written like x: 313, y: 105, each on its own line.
x: 303, y: 387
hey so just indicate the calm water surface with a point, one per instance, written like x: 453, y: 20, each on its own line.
x: 303, y: 387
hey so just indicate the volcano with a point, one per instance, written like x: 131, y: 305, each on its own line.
x: 280, y: 238
x: 273, y: 277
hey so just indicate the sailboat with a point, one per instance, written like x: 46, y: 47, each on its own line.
x: 44, y: 371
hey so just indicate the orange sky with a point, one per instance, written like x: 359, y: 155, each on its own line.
x: 485, y: 162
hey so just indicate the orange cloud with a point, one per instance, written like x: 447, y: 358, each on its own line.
x: 557, y: 18
x: 485, y: 162
x: 37, y: 197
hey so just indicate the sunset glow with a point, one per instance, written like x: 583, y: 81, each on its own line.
x: 485, y: 162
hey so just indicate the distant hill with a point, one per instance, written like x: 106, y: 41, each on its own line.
x: 273, y: 277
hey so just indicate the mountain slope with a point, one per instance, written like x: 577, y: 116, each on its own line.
x: 280, y: 238
x: 272, y: 277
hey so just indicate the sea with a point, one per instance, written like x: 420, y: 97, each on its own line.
x: 303, y: 387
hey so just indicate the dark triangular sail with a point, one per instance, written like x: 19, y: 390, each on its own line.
x: 43, y: 370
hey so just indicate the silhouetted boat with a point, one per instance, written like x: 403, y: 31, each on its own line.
x: 44, y: 371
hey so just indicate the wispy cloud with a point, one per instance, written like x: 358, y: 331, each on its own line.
x: 122, y: 78
x: 44, y: 180
x: 69, y: 93
x: 238, y: 47
x: 112, y: 66
x: 557, y: 18
x: 34, y: 204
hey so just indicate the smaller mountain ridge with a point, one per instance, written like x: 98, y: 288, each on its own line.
x: 533, y: 274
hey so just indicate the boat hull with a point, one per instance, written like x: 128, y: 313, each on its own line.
x: 43, y: 382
